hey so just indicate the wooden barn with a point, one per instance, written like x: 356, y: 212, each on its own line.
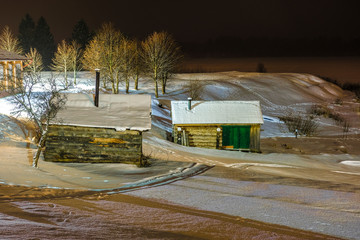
x: 217, y: 124
x: 111, y: 132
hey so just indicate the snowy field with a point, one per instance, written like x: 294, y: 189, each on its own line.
x: 273, y: 187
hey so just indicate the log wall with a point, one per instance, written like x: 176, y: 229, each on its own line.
x: 207, y: 136
x: 204, y: 136
x: 95, y: 145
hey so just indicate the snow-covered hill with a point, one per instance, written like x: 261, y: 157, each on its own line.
x: 278, y: 94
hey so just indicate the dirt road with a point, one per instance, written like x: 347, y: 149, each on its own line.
x: 66, y: 214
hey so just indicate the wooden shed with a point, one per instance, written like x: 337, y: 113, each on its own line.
x: 111, y: 132
x: 217, y: 124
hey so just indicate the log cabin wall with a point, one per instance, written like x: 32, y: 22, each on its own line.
x: 208, y: 136
x: 204, y: 136
x: 93, y: 145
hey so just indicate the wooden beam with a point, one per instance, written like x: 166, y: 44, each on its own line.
x: 14, y: 78
x: 21, y: 72
x: 6, y: 70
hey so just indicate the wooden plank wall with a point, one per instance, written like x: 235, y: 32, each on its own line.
x: 95, y: 145
x: 255, y: 138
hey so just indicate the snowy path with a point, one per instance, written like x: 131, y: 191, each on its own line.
x: 323, y: 211
x: 335, y: 213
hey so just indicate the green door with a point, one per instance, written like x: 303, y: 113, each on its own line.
x: 236, y: 136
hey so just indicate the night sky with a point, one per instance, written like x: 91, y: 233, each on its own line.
x: 195, y: 20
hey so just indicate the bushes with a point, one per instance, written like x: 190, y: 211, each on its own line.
x: 305, y: 125
x: 324, y: 111
x: 320, y: 110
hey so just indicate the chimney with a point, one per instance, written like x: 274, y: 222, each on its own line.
x: 189, y: 103
x: 97, y: 86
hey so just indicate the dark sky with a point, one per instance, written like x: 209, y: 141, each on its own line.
x: 195, y: 20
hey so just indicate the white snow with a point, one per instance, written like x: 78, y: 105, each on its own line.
x: 351, y: 163
x: 164, y: 113
x: 351, y: 173
x: 247, y: 165
x: 218, y: 112
x: 85, y: 177
x: 6, y: 107
x: 272, y: 119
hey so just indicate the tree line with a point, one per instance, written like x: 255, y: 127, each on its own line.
x: 116, y: 56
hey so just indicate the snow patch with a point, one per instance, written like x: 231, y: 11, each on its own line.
x: 6, y: 106
x: 247, y: 165
x: 351, y: 163
x: 351, y: 173
x: 272, y: 119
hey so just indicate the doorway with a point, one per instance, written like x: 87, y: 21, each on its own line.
x: 236, y: 137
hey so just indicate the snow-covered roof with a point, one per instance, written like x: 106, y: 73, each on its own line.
x: 216, y: 112
x: 10, y: 56
x: 121, y: 112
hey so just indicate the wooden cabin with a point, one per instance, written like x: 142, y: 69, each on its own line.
x: 232, y: 125
x: 109, y: 133
x: 11, y: 65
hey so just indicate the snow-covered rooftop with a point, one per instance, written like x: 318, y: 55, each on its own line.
x: 121, y: 112
x: 216, y: 112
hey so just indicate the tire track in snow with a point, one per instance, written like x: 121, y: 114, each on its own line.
x: 242, y: 85
x: 160, y: 180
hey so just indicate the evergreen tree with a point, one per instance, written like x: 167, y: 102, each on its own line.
x: 26, y: 33
x: 44, y: 41
x: 81, y: 34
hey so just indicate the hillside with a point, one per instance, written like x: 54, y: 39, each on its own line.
x: 279, y: 95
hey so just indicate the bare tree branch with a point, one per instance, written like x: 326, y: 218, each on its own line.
x: 161, y: 54
x: 9, y: 42
x: 40, y: 100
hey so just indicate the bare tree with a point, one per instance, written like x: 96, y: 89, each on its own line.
x: 160, y: 54
x: 40, y: 107
x: 108, y: 59
x: 195, y: 88
x: 110, y: 40
x: 92, y: 57
x: 127, y: 65
x: 75, y: 56
x: 9, y: 42
x: 34, y: 62
x: 261, y: 68
x: 62, y: 59
x: 300, y: 124
x: 346, y: 128
x: 137, y: 64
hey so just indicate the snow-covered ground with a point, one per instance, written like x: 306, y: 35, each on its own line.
x: 278, y: 93
x: 232, y: 191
